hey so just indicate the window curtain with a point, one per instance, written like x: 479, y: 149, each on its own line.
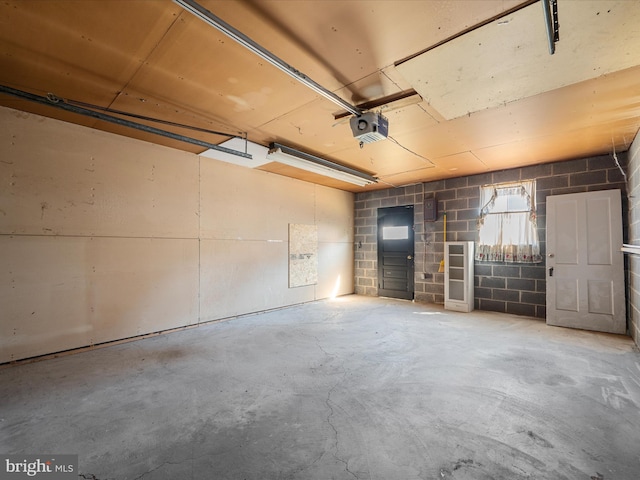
x: 507, y: 229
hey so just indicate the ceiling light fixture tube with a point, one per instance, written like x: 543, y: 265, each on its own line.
x: 311, y: 163
x: 219, y: 24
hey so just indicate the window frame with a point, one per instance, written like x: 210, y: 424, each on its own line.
x: 514, y: 238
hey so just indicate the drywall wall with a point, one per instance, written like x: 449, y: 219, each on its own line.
x: 633, y: 263
x: 103, y: 237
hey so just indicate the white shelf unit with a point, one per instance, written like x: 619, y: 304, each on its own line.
x: 458, y: 276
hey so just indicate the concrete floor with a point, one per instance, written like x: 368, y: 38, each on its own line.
x: 356, y: 388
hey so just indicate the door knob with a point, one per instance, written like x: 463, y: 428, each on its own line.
x: 409, y: 257
x: 551, y: 255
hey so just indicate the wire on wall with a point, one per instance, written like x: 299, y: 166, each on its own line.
x: 615, y: 158
x: 411, y: 151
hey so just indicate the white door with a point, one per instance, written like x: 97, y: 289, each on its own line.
x: 585, y: 269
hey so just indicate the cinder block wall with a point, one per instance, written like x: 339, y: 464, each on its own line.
x: 511, y: 288
x: 633, y: 272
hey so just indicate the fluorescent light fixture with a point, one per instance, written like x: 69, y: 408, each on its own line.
x: 257, y: 153
x: 311, y: 163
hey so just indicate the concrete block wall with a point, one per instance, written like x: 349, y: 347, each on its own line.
x: 633, y: 261
x: 511, y: 288
x: 366, y: 211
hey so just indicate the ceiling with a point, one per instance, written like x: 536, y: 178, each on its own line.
x: 489, y: 96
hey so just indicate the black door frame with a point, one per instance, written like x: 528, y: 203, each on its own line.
x: 396, y: 269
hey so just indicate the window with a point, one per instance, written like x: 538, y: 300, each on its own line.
x: 507, y: 230
x: 395, y: 233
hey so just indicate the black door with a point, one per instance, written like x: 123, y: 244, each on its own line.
x: 395, y: 252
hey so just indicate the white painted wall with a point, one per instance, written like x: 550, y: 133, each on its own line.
x: 103, y: 237
x: 634, y: 238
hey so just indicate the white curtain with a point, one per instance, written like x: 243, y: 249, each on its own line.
x: 507, y: 230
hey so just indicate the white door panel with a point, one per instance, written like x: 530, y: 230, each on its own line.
x: 585, y: 273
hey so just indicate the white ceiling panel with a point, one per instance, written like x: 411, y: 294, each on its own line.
x: 508, y: 59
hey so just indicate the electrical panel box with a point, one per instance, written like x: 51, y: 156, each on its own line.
x: 430, y: 209
x: 369, y: 127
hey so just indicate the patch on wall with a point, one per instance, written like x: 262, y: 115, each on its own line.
x: 303, y: 255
